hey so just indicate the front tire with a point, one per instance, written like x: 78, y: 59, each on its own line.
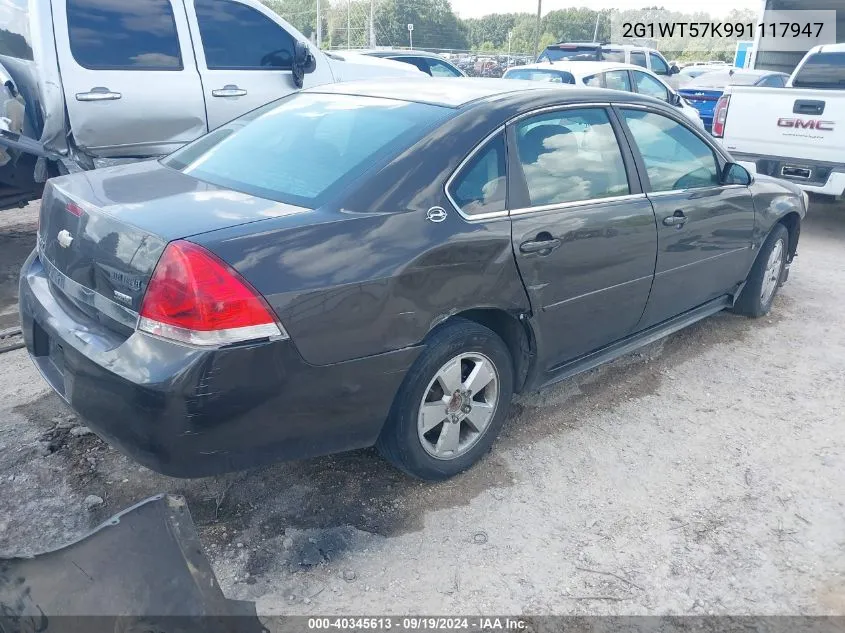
x: 451, y: 405
x: 766, y: 276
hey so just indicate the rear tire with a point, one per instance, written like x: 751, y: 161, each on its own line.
x: 451, y: 405
x: 766, y: 276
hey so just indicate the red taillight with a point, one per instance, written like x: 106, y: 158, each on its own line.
x: 195, y: 298
x: 74, y: 209
x: 720, y: 115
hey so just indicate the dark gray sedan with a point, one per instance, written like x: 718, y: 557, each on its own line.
x: 387, y: 263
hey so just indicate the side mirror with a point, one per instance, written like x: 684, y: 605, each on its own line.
x: 734, y: 174
x: 674, y: 70
x: 304, y: 62
x: 675, y: 99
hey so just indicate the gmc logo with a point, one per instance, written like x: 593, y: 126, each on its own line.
x: 801, y: 124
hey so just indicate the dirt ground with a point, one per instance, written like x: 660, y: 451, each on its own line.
x: 703, y: 475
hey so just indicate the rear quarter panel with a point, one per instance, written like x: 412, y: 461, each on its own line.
x: 371, y: 274
x: 774, y: 200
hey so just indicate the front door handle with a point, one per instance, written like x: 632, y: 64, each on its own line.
x: 543, y: 247
x: 229, y: 90
x: 677, y: 220
x: 98, y: 94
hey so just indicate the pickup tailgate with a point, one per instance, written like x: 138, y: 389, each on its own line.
x: 787, y: 122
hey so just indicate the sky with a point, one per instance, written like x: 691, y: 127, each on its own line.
x: 478, y: 8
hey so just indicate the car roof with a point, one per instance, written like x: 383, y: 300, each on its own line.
x: 582, y: 69
x: 462, y: 91
x: 390, y: 52
x: 831, y: 48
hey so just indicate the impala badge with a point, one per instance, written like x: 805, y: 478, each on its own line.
x: 436, y: 215
x: 64, y: 238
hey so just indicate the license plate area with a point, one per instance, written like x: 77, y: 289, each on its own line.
x: 796, y: 172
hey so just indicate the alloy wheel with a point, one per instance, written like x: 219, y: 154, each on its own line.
x: 458, y: 406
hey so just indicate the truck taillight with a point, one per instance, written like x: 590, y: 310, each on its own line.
x: 196, y: 298
x: 720, y: 115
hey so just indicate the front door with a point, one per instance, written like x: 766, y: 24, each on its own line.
x: 245, y: 56
x: 130, y: 81
x: 704, y: 227
x: 584, y: 236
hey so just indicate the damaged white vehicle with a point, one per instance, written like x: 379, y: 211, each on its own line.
x: 92, y: 82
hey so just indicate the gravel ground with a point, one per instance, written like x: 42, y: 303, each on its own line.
x: 704, y: 474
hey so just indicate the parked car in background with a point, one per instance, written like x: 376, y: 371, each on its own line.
x: 359, y: 264
x: 704, y: 91
x: 429, y: 63
x: 614, y: 76
x: 688, y: 73
x: 648, y: 58
x: 104, y: 81
x: 795, y: 133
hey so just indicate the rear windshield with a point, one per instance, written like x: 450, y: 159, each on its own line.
x: 538, y: 74
x: 718, y: 80
x: 570, y: 53
x: 14, y: 29
x: 305, y: 148
x: 822, y: 71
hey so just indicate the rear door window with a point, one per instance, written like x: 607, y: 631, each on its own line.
x: 110, y: 35
x: 570, y: 156
x: 823, y: 71
x: 617, y: 80
x: 237, y: 37
x: 14, y: 32
x: 616, y: 55
x: 638, y: 59
x: 481, y: 186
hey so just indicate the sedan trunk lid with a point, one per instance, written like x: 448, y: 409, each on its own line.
x: 102, y: 233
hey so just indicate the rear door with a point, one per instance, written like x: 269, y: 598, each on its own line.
x: 129, y: 77
x: 583, y: 234
x: 704, y: 228
x: 245, y: 56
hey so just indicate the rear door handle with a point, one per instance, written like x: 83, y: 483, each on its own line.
x: 229, y: 90
x: 544, y: 247
x: 678, y: 220
x: 98, y: 94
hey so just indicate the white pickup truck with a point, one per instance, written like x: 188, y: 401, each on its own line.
x: 85, y: 82
x: 795, y: 133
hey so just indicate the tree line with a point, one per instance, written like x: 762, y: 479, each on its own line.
x: 347, y: 24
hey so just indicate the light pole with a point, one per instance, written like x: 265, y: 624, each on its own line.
x: 510, y: 39
x: 411, y: 35
x: 319, y: 27
x: 349, y: 24
x: 537, y: 34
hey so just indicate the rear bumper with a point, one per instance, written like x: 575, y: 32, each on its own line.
x: 187, y: 412
x: 825, y: 178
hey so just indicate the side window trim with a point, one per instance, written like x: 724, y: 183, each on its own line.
x: 501, y: 130
x: 518, y: 198
x: 721, y: 159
